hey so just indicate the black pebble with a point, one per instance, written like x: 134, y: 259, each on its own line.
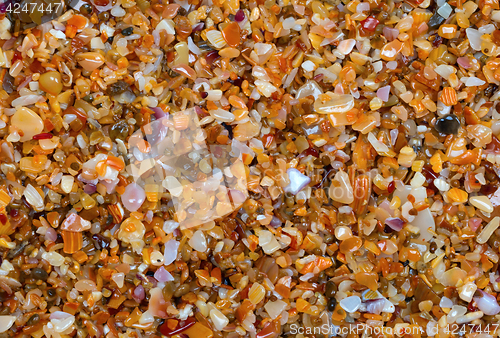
x: 39, y: 273
x: 388, y: 229
x: 229, y: 130
x: 128, y: 31
x: 86, y: 9
x: 33, y: 320
x: 448, y: 124
x: 331, y: 304
x: 330, y: 289
x: 51, y: 293
x: 435, y: 21
x: 117, y: 88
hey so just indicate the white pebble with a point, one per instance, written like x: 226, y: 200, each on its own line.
x: 198, y: 241
x: 288, y: 23
x: 481, y: 202
x: 487, y: 29
x: 446, y: 303
x: 54, y: 258
x: 346, y: 46
x: 308, y: 66
x: 351, y: 304
x: 474, y: 37
x: 219, y: 319
x: 441, y: 184
x: 167, y: 25
x: 445, y: 10
x: 418, y: 180
x: 466, y: 291
x: 472, y: 81
x: 118, y: 11
x: 470, y: 317
x: 392, y: 65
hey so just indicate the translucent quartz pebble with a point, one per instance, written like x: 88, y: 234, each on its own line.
x: 424, y: 219
x: 351, y: 304
x: 488, y: 230
x: 474, y: 37
x: 481, y: 202
x: 198, y: 241
x: 446, y: 303
x: 274, y: 309
x: 6, y: 322
x: 133, y: 197
x: 455, y: 312
x: 452, y: 277
x: 28, y: 122
x: 341, y: 188
x: 298, y: 181
x: 171, y: 248
x: 219, y: 319
x: 336, y: 104
x: 172, y: 184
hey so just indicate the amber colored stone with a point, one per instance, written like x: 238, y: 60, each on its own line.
x: 217, y: 274
x: 182, y: 27
x: 271, y: 329
x: 73, y: 241
x: 470, y: 116
x: 79, y: 21
x: 424, y: 292
x: 75, y: 223
x: 368, y: 279
x: 51, y: 82
x: 350, y: 245
x: 284, y: 286
x: 132, y: 318
x: 448, y: 96
x: 338, y: 314
x: 5, y: 227
x: 244, y: 308
x: 447, y: 31
x: 231, y: 33
x: 116, y: 300
x: 198, y: 331
x: 80, y: 257
x: 71, y: 307
x: 170, y: 11
x: 413, y: 255
x: 391, y: 50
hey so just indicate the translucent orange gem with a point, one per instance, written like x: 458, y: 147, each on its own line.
x: 115, y: 163
x: 447, y: 31
x: 391, y: 50
x: 73, y: 241
x: 101, y: 168
x: 350, y: 245
x: 79, y: 21
x: 232, y: 34
x: 368, y: 279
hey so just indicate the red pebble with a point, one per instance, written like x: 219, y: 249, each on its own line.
x: 370, y: 23
x: 43, y: 136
